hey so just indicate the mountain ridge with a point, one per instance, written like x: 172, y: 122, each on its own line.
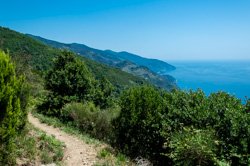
x: 149, y: 69
x: 39, y: 57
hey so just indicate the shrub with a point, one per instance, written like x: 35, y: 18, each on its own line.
x: 12, y: 108
x: 248, y: 106
x: 220, y: 111
x: 90, y: 119
x: 232, y: 127
x: 185, y: 109
x: 139, y: 123
x: 182, y: 121
x: 103, y: 93
x: 193, y: 147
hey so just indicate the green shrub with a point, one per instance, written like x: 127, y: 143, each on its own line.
x: 150, y: 118
x: 220, y: 111
x: 185, y: 109
x: 12, y: 108
x: 193, y: 147
x: 232, y: 127
x: 103, y: 93
x: 139, y: 124
x: 248, y: 106
x: 90, y: 119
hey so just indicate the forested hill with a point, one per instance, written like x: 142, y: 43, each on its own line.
x: 111, y: 57
x: 155, y: 65
x: 149, y: 69
x: 39, y: 56
x: 30, y: 51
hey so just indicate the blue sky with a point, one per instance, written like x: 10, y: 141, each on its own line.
x: 163, y: 29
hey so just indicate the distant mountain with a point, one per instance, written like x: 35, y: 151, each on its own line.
x: 39, y: 56
x: 149, y: 69
x: 155, y: 65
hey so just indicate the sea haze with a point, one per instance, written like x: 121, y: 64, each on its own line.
x: 212, y: 76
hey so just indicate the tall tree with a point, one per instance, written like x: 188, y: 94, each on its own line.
x: 68, y: 80
x: 12, y: 117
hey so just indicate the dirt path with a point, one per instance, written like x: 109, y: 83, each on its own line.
x: 76, y: 153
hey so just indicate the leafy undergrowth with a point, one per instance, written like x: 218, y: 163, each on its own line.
x: 36, y: 148
x: 107, y: 156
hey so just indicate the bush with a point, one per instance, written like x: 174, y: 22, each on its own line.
x: 90, y: 119
x: 103, y: 93
x: 139, y: 124
x: 232, y: 125
x: 248, y: 106
x: 193, y: 147
x: 220, y: 111
x: 194, y: 128
x: 13, y: 101
x: 185, y: 109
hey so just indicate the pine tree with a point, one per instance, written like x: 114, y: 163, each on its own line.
x: 11, y: 115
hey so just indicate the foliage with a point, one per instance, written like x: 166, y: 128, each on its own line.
x: 193, y: 147
x: 185, y: 109
x: 118, y: 78
x: 220, y: 111
x: 108, y: 157
x: 248, y: 105
x: 90, y: 119
x: 68, y: 80
x: 13, y: 107
x: 35, y: 53
x: 103, y: 93
x: 34, y: 146
x: 193, y: 127
x: 139, y: 124
x: 232, y: 127
x: 51, y: 149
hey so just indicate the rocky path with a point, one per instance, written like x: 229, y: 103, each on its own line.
x: 77, y: 152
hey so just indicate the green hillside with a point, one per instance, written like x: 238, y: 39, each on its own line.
x: 154, y: 65
x: 36, y: 54
x: 40, y: 56
x: 149, y: 69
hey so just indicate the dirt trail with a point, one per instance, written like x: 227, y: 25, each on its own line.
x: 77, y: 152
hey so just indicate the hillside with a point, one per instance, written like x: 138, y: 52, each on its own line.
x: 149, y: 69
x: 154, y: 65
x: 39, y: 56
x: 32, y: 52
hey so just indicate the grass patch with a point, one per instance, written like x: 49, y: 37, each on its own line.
x: 35, y: 148
x: 108, y: 157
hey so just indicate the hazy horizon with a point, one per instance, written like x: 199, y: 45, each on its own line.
x: 159, y: 29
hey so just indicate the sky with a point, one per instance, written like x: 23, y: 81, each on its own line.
x: 162, y: 29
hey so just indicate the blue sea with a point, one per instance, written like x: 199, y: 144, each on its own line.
x: 212, y: 76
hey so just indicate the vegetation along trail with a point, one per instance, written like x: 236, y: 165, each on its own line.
x: 76, y: 152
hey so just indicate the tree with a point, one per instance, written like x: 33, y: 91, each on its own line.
x: 102, y: 96
x: 248, y: 106
x: 139, y: 125
x: 68, y: 80
x: 12, y: 112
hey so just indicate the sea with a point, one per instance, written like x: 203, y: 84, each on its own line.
x: 232, y: 77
